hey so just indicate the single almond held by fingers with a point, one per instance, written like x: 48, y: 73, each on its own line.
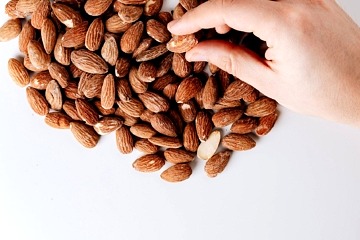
x: 149, y: 163
x: 84, y: 134
x: 18, y: 73
x: 238, y: 142
x: 217, y: 163
x: 181, y: 44
x: 177, y: 173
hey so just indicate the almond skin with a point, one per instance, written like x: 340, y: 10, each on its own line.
x: 37, y: 101
x: 217, y: 163
x: 142, y: 130
x: 109, y: 50
x: 133, y: 107
x: 145, y: 146
x: 108, y: 92
x: 188, y: 89
x: 188, y: 111
x: 238, y: 142
x: 262, y: 107
x: 122, y: 67
x: 123, y: 90
x: 244, y: 125
x: 27, y: 33
x: 147, y: 71
x: 163, y: 124
x: 152, y: 53
x: 40, y: 14
x: 203, y: 125
x: 75, y: 36
x: 176, y: 156
x: 115, y: 24
x: 61, y: 54
x: 266, y: 124
x: 152, y: 8
x: 70, y: 109
x: 227, y: 116
x: 177, y: 173
x: 143, y: 46
x: 58, y: 120
x: 154, y: 102
x: 124, y: 140
x: 165, y: 141
x: 18, y: 73
x: 164, y: 17
x: 85, y: 134
x: 190, y: 138
x: 97, y: 7
x: 136, y: 84
x: 130, y: 40
x: 48, y: 35
x: 237, y: 90
x: 90, y: 85
x: 210, y: 93
x: 157, y: 31
x: 40, y: 80
x: 181, y: 66
x: 165, y: 65
x: 149, y: 163
x: 189, y: 4
x: 182, y: 44
x: 59, y: 73
x: 86, y: 111
x: 10, y: 30
x: 95, y: 35
x: 53, y: 95
x: 37, y: 55
x: 66, y: 15
x: 12, y: 12
x: 128, y: 120
x: 130, y: 13
x: 88, y: 61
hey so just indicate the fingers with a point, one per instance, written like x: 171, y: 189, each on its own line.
x: 236, y: 60
x: 256, y: 16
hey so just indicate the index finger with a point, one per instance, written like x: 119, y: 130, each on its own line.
x: 257, y: 16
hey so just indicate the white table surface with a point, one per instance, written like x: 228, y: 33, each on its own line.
x: 302, y: 181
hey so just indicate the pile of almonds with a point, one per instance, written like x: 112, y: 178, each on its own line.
x: 102, y: 66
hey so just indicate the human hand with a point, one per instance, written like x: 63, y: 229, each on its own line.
x: 312, y: 65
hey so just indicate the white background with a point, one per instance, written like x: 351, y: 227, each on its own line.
x: 302, y: 181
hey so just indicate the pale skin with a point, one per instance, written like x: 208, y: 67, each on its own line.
x: 312, y: 65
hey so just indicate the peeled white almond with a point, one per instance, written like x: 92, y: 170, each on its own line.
x: 208, y: 148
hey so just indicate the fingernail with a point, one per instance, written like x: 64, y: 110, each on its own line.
x: 194, y: 56
x: 172, y: 24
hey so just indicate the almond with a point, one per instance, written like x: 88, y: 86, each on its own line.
x: 10, y: 10
x: 130, y: 40
x: 86, y: 111
x: 18, y: 73
x: 145, y: 146
x: 71, y: 90
x: 177, y: 173
x: 66, y: 15
x: 142, y: 130
x: 48, y: 35
x: 85, y: 134
x: 244, y: 125
x: 123, y: 89
x: 136, y: 84
x: 164, y: 17
x: 170, y: 90
x: 157, y: 31
x: 223, y: 103
x: 37, y: 101
x: 176, y: 155
x: 95, y: 35
x: 107, y: 125
x: 252, y: 97
x: 90, y: 85
x: 203, y: 125
x: 238, y: 142
x: 59, y: 73
x: 190, y: 138
x: 40, y: 14
x: 97, y: 7
x: 199, y: 67
x: 108, y: 92
x: 160, y: 83
x: 40, y: 80
x: 149, y: 163
x: 210, y: 93
x: 115, y: 25
x: 147, y: 71
x: 188, y: 89
x: 53, y: 95
x: 154, y: 102
x: 188, y: 4
x: 88, y: 61
x: 165, y: 65
x: 152, y: 53
x: 122, y: 67
x: 143, y: 46
x: 181, y: 66
x: 58, y: 120
x: 153, y: 7
x: 181, y: 44
x: 266, y: 123
x: 75, y: 36
x: 217, y: 163
x: 165, y: 141
x: 10, y: 30
x: 146, y: 115
x: 37, y: 55
x: 237, y: 90
x: 61, y: 54
x: 208, y: 148
x: 28, y: 65
x: 262, y: 107
x: 128, y: 120
x: 177, y: 120
x: 163, y: 124
x: 124, y: 140
x: 109, y: 50
x: 188, y: 111
x: 130, y: 13
x: 132, y: 2
x: 224, y: 79
x: 103, y: 111
x: 133, y: 107
x: 213, y: 68
x: 70, y: 109
x: 178, y: 11
x: 27, y: 33
x: 226, y: 116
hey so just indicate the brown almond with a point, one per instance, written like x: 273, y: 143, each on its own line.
x: 70, y: 109
x: 58, y: 120
x: 28, y: 65
x: 130, y: 40
x: 177, y: 173
x: 266, y: 123
x: 10, y: 30
x: 97, y: 7
x: 188, y: 89
x: 66, y: 15
x: 181, y: 44
x: 188, y: 4
x: 144, y: 45
x: 252, y: 97
x: 170, y: 90
x: 223, y: 103
x: 40, y: 80
x: 226, y: 116
x: 122, y: 67
x: 210, y: 93
x: 244, y: 125
x: 132, y: 2
x: 103, y: 111
x: 217, y: 163
x: 147, y: 71
x: 86, y: 111
x: 128, y: 120
x: 123, y: 89
x: 61, y: 54
x: 90, y: 85
x: 88, y: 61
x: 190, y: 138
x: 146, y: 115
x: 130, y: 13
x: 152, y: 53
x: 108, y: 92
x: 203, y: 125
x: 133, y: 107
x: 27, y: 33
x: 149, y: 163
x: 177, y: 120
x: 18, y: 73
x: 163, y: 124
x: 164, y: 17
x: 237, y: 90
x: 95, y: 35
x: 37, y: 55
x: 142, y: 130
x: 40, y: 14
x: 109, y: 50
x: 165, y: 141
x: 53, y: 95
x: 48, y: 35
x: 213, y: 68
x: 165, y: 65
x: 136, y: 84
x: 181, y: 66
x: 84, y: 134
x: 262, y: 107
x: 153, y: 7
x: 75, y: 36
x: 178, y: 11
x: 71, y: 90
x: 199, y: 67
x: 157, y: 31
x: 160, y: 83
x: 114, y: 24
x: 37, y: 101
x: 107, y: 125
x: 188, y: 111
x: 176, y: 156
x: 27, y: 6
x: 124, y: 140
x: 145, y: 146
x: 154, y: 102
x: 59, y: 73
x: 12, y: 12
x: 238, y: 142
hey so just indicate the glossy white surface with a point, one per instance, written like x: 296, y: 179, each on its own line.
x: 300, y: 182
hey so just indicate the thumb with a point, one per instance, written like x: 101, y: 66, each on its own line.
x: 236, y: 60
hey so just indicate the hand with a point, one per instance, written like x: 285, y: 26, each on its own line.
x: 312, y: 65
